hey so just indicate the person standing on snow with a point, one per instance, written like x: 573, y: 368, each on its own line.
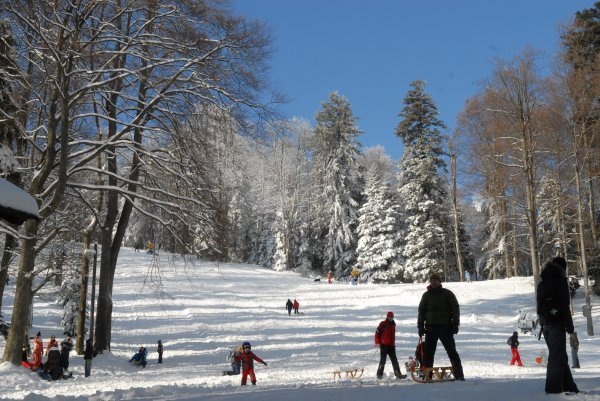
x: 65, y: 348
x: 159, y: 349
x: 439, y: 318
x: 329, y: 277
x: 247, y: 357
x: 38, y: 347
x: 513, y: 341
x: 88, y: 355
x: 296, y: 306
x: 385, y: 339
x: 289, y: 305
x: 553, y: 300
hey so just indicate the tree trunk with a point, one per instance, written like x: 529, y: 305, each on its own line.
x: 85, y: 272
x: 19, y: 325
x: 459, y: 259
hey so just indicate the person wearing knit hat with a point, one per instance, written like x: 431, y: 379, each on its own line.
x: 553, y: 308
x: 385, y: 339
x: 439, y: 318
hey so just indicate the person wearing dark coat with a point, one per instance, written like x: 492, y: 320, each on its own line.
x: 65, y: 348
x: 385, y: 339
x: 289, y: 305
x: 439, y: 318
x: 160, y: 351
x: 553, y: 309
x: 88, y: 355
x: 513, y: 341
x: 52, y: 365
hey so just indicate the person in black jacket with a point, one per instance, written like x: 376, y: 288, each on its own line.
x: 289, y: 305
x: 160, y: 351
x: 88, y: 355
x: 555, y: 316
x: 65, y: 348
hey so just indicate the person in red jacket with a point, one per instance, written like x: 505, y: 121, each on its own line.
x: 52, y: 343
x: 385, y: 339
x: 247, y: 357
x: 296, y: 306
x: 38, y: 349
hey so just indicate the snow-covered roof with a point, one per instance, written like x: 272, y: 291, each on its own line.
x: 16, y: 205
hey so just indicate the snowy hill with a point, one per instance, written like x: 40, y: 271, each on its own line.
x: 204, y: 309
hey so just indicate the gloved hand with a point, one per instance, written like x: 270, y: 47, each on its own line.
x: 454, y: 328
x: 570, y: 329
x: 421, y: 331
x: 264, y: 363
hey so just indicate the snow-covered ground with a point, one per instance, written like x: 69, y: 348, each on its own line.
x: 204, y: 309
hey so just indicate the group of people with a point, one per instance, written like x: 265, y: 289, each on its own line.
x: 57, y: 362
x: 242, y: 359
x: 289, y: 305
x: 439, y: 319
x: 140, y: 358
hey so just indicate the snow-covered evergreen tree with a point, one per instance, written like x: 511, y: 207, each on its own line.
x: 335, y: 152
x: 422, y: 187
x: 378, y: 249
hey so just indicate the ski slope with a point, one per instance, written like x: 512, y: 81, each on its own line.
x: 200, y: 310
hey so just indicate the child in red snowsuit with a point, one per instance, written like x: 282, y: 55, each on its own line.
x: 296, y: 306
x: 247, y: 357
x: 513, y: 341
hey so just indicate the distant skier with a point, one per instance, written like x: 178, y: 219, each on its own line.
x: 513, y: 341
x: 296, y: 307
x: 247, y: 357
x: 289, y: 305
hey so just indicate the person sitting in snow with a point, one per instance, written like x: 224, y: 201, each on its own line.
x: 513, y: 341
x: 139, y: 359
x: 52, y: 365
x: 236, y: 364
x: 247, y: 357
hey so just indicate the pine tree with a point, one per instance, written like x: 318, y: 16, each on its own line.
x: 335, y: 152
x: 422, y: 187
x: 378, y: 250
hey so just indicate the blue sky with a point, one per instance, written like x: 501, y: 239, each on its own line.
x: 370, y: 50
